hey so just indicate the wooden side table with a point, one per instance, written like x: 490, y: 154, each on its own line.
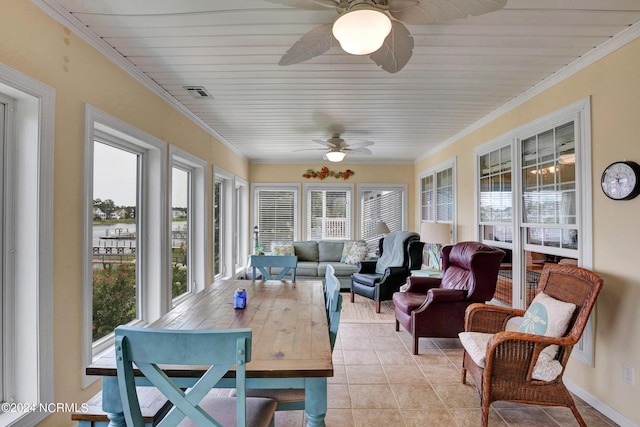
x: 286, y: 262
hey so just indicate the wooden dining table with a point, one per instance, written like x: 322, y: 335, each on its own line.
x: 290, y: 344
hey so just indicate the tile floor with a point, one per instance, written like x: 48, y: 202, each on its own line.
x: 378, y: 382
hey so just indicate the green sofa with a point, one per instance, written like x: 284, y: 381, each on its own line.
x: 314, y: 256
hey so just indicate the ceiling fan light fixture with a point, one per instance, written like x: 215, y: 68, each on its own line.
x: 362, y: 29
x: 335, y: 156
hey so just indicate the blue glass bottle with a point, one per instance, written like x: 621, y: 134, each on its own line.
x: 240, y: 298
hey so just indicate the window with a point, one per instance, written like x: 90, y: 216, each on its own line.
x: 218, y: 228
x: 549, y: 188
x: 127, y: 170
x: 26, y: 237
x: 437, y: 194
x: 496, y: 204
x: 180, y: 231
x: 188, y: 218
x: 387, y: 203
x: 329, y: 212
x: 275, y: 212
x: 115, y: 241
x: 231, y: 218
x: 242, y: 224
x: 538, y: 213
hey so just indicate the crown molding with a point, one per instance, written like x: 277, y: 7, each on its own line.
x: 60, y: 14
x: 611, y: 45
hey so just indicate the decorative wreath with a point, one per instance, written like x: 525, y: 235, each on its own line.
x: 325, y: 172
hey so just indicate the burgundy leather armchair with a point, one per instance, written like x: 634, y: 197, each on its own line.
x: 435, y: 307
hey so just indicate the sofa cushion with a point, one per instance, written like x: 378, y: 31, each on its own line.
x: 306, y: 250
x: 307, y: 268
x: 330, y: 250
x: 342, y: 270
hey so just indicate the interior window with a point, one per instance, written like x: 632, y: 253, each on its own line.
x: 275, y: 211
x: 329, y: 213
x: 381, y: 204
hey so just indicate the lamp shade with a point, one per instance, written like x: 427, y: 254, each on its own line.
x: 435, y: 232
x: 362, y: 30
x: 381, y: 228
x: 335, y: 156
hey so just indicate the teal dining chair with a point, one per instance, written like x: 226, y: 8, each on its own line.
x: 331, y: 285
x: 196, y: 406
x: 292, y: 399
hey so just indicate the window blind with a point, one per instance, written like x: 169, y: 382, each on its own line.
x: 380, y: 205
x: 275, y: 213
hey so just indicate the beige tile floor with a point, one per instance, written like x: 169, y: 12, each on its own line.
x: 378, y: 382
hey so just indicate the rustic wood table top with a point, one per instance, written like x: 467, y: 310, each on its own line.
x: 287, y: 319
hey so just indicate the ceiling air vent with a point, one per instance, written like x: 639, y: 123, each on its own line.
x: 198, y: 91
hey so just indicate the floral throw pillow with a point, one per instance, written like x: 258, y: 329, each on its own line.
x: 549, y: 317
x: 282, y: 248
x: 347, y: 249
x: 357, y: 253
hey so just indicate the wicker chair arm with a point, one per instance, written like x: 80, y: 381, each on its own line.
x: 488, y: 318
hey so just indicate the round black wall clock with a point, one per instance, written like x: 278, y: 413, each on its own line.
x: 621, y: 180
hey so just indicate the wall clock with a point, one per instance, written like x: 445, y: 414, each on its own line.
x: 621, y: 180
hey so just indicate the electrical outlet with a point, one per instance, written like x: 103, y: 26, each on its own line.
x: 627, y: 373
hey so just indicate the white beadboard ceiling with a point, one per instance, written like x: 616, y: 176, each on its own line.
x: 461, y: 70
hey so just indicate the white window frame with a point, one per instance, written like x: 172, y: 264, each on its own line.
x: 580, y: 113
x: 28, y: 308
x: 294, y: 188
x: 153, y: 219
x: 227, y: 222
x: 433, y: 171
x: 241, y: 228
x: 197, y: 222
x: 363, y: 188
x: 347, y: 188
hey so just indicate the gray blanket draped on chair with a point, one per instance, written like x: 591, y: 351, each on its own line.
x: 392, y: 250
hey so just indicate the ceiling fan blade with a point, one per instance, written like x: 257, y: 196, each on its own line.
x: 396, y: 49
x: 314, y: 43
x: 311, y: 149
x: 361, y: 150
x: 327, y: 144
x: 307, y: 4
x: 357, y: 143
x: 430, y: 11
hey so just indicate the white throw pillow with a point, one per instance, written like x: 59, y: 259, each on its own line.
x: 549, y: 317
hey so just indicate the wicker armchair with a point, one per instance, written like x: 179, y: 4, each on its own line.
x: 511, y: 357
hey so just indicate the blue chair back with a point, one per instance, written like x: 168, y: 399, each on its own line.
x: 148, y: 348
x: 331, y: 286
x: 334, y: 318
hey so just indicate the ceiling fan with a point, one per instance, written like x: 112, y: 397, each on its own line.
x: 387, y: 41
x: 336, y: 148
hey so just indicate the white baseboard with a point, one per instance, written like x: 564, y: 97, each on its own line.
x: 600, y: 406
